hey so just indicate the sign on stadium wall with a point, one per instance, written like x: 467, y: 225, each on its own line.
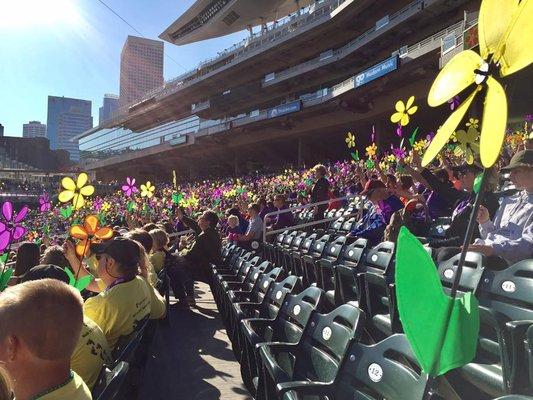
x: 377, y: 71
x: 284, y: 109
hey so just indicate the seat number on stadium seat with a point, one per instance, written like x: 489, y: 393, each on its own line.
x: 265, y: 284
x: 296, y: 310
x: 326, y: 333
x: 350, y: 253
x: 509, y: 286
x: 375, y: 372
x: 448, y: 273
x: 374, y: 257
x: 256, y: 275
x: 332, y: 249
x: 279, y: 294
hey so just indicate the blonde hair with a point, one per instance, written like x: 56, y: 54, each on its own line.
x: 160, y: 238
x: 320, y: 169
x: 46, y: 314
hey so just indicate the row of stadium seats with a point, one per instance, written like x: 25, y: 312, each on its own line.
x: 333, y: 298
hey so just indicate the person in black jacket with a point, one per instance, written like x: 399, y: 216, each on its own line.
x: 461, y: 202
x: 193, y: 262
x: 320, y: 191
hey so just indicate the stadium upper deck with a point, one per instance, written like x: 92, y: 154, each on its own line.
x: 341, y: 65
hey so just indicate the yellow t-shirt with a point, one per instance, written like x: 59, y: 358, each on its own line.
x: 91, y: 352
x: 158, y: 260
x: 118, y: 310
x: 75, y: 389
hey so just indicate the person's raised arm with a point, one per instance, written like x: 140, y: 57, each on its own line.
x: 77, y: 267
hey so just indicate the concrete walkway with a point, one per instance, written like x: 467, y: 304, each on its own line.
x: 191, y: 358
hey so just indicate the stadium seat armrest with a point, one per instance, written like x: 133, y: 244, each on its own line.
x: 305, y: 388
x: 518, y: 376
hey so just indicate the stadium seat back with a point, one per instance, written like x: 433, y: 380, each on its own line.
x: 348, y: 225
x: 380, y: 258
x: 309, y: 260
x: 109, y: 382
x: 385, y: 370
x: 325, y: 266
x: 439, y: 228
x: 470, y: 275
x: 297, y: 256
x: 336, y: 225
x: 276, y: 295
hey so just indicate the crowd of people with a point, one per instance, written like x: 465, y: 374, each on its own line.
x: 56, y: 350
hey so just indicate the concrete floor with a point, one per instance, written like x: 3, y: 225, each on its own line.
x: 191, y: 357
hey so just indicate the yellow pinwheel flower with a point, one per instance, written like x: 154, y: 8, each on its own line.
x: 504, y: 30
x: 75, y: 191
x: 350, y: 140
x: 403, y: 111
x: 390, y: 158
x: 147, y: 190
x: 371, y: 150
x: 467, y: 145
x: 106, y: 206
x: 420, y: 146
x: 474, y: 122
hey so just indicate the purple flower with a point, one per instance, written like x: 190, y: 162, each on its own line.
x: 454, y: 102
x: 430, y: 136
x: 399, y: 153
x: 529, y: 118
x: 399, y: 130
x: 11, y: 230
x: 44, y: 202
x: 129, y: 188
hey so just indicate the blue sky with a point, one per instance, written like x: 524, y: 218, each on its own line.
x: 72, y: 48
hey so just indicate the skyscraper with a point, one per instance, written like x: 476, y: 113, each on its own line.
x: 141, y: 68
x: 66, y: 119
x: 109, y: 106
x: 1, y: 130
x: 33, y: 129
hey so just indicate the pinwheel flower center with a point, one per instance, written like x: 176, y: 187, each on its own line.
x: 90, y: 236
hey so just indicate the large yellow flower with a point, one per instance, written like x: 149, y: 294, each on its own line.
x: 75, y: 190
x: 403, y: 111
x: 147, y: 190
x: 505, y: 30
x: 350, y: 140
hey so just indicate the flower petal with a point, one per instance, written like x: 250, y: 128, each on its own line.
x: 65, y: 196
x: 78, y: 201
x: 87, y: 190
x: 128, y: 181
x: 399, y: 106
x: 446, y: 130
x: 494, y: 121
x: 91, y: 224
x: 7, y: 211
x: 104, y: 233
x: 412, y: 110
x: 5, y: 237
x: 3, y: 226
x: 82, y: 180
x: 68, y: 183
x: 18, y: 232
x: 410, y: 102
x: 396, y: 117
x: 456, y: 76
x: 21, y: 214
x: 78, y: 232
x: 405, y: 120
x: 82, y: 248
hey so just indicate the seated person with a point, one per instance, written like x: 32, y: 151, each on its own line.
x: 160, y: 240
x: 233, y: 227
x: 373, y: 224
x: 193, y: 263
x: 255, y: 229
x: 283, y: 220
x: 28, y: 255
x: 41, y: 325
x: 92, y: 350
x: 510, y: 235
x: 54, y: 255
x: 142, y: 237
x: 128, y: 299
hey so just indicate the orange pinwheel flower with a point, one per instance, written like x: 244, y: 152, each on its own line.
x: 89, y: 232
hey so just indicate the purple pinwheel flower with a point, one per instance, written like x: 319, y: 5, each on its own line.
x: 44, y: 203
x: 430, y: 136
x: 454, y: 102
x: 129, y: 188
x: 529, y: 118
x: 11, y: 230
x: 399, y: 153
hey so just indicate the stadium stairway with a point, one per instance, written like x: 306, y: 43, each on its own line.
x: 191, y: 357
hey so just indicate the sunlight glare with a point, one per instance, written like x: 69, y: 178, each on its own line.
x: 37, y: 13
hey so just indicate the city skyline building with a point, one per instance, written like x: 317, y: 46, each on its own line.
x: 67, y: 118
x: 141, y: 68
x: 109, y: 106
x: 1, y: 130
x: 34, y: 129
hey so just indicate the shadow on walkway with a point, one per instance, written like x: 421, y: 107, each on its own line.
x: 191, y: 358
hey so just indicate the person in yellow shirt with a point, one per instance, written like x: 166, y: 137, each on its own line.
x: 41, y: 324
x: 92, y: 350
x: 160, y: 240
x: 128, y: 298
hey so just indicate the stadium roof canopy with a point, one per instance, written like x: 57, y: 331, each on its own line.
x: 207, y: 19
